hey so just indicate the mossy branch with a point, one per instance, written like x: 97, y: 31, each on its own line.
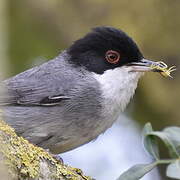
x: 26, y: 161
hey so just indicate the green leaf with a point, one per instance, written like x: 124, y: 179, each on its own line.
x: 164, y: 136
x: 174, y: 135
x: 150, y: 142
x: 136, y: 172
x: 173, y: 170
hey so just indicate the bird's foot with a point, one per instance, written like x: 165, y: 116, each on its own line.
x: 58, y: 158
x: 55, y: 156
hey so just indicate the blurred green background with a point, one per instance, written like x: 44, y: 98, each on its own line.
x: 36, y: 31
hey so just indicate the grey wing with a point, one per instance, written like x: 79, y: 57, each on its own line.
x: 30, y: 97
x: 37, y: 86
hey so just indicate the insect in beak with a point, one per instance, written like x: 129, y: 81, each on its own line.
x: 145, y: 65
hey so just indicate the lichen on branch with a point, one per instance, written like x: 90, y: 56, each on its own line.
x: 26, y: 161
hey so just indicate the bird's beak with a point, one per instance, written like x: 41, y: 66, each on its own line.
x: 145, y: 65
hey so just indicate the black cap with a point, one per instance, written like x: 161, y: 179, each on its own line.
x: 96, y: 50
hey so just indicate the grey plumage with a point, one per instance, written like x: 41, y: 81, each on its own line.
x: 34, y: 120
x: 73, y: 98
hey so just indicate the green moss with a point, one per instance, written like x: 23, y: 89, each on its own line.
x: 25, y: 158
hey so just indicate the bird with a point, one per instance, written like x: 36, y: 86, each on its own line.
x: 72, y: 99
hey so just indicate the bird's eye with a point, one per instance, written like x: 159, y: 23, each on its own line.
x: 112, y: 57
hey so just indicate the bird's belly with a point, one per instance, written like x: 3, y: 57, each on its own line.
x: 54, y: 129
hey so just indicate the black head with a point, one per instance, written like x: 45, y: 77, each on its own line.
x: 104, y: 48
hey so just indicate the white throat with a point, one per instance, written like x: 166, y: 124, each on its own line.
x: 118, y: 86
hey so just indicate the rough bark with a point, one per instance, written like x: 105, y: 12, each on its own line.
x: 21, y: 160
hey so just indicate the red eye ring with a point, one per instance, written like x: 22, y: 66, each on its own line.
x: 112, y: 57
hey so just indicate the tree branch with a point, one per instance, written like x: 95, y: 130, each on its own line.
x: 26, y: 161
